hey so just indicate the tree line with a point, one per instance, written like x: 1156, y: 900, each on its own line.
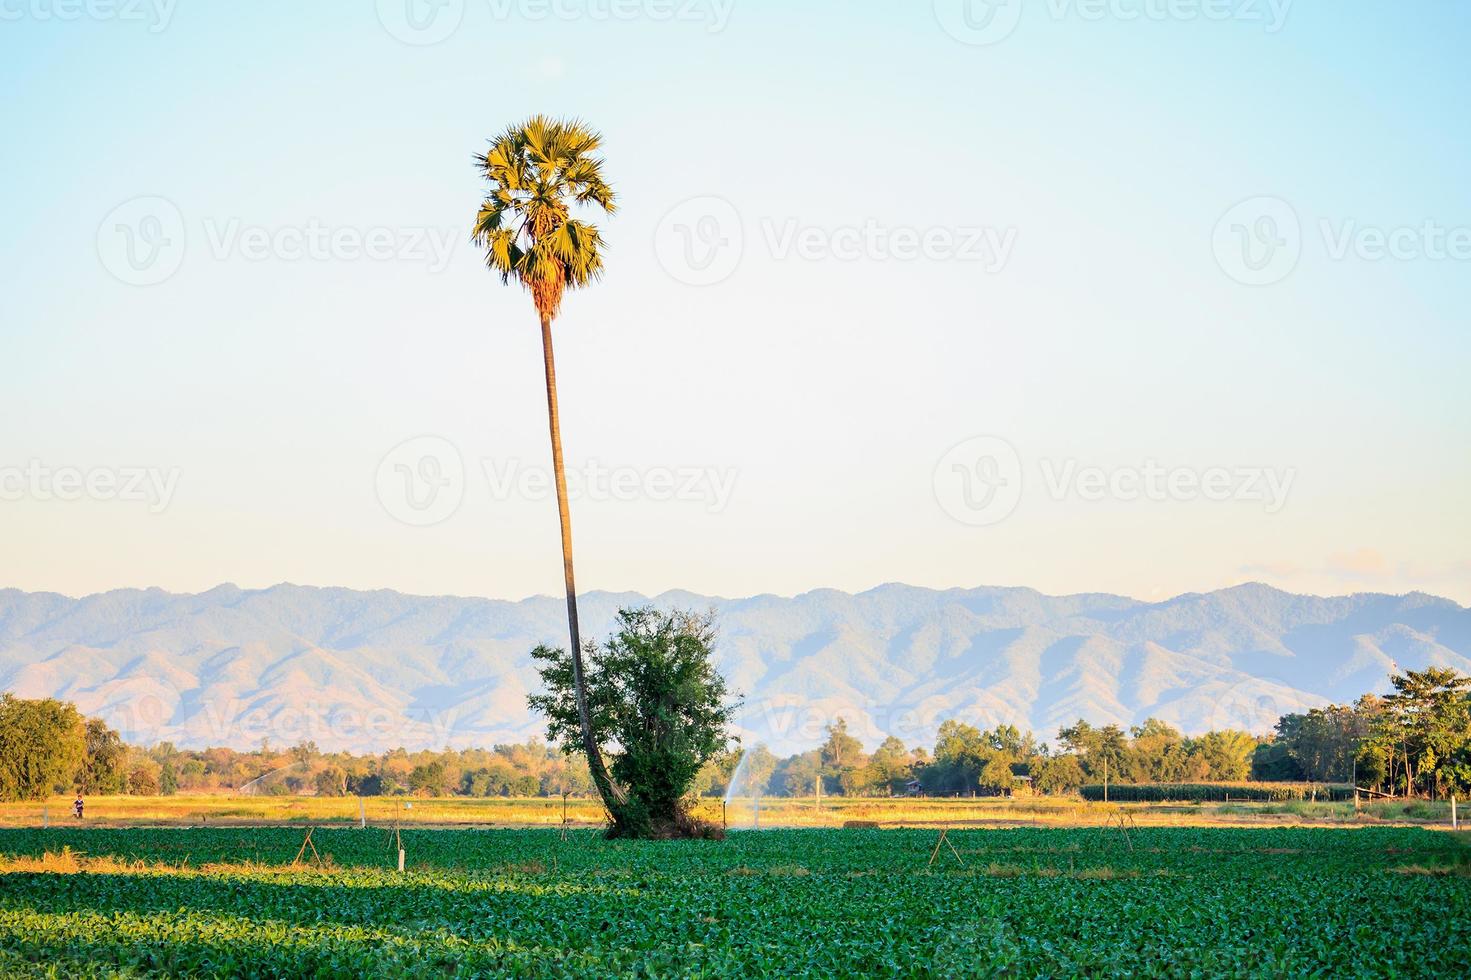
x: 1413, y: 741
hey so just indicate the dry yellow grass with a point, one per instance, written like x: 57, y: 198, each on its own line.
x: 858, y: 813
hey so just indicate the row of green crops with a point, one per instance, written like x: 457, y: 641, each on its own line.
x: 1159, y: 901
x: 1216, y: 792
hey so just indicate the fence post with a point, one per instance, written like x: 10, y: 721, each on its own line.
x: 1455, y: 825
x: 400, y: 859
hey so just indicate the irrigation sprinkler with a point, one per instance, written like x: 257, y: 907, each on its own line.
x: 307, y: 843
x: 1123, y: 820
x: 395, y: 834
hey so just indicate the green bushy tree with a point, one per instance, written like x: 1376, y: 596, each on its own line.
x: 42, y: 747
x: 657, y: 707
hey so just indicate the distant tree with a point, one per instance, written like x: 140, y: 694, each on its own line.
x: 428, y: 779
x: 1101, y: 751
x: 42, y: 747
x: 890, y: 767
x: 798, y: 775
x: 368, y: 784
x: 143, y: 778
x: 996, y: 775
x: 1425, y: 728
x: 102, y: 765
x: 331, y: 781
x: 192, y: 775
x: 1157, y: 753
x: 654, y: 693
x: 1058, y: 774
x: 1324, y: 741
x: 714, y: 776
x: 1226, y: 755
x: 168, y: 778
x: 760, y: 765
x: 1272, y: 761
x: 842, y: 758
x: 961, y: 752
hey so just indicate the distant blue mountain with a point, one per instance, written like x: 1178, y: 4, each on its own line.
x: 375, y: 670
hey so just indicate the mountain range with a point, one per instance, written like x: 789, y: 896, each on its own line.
x: 368, y: 671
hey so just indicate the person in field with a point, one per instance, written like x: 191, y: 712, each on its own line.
x: 77, y: 806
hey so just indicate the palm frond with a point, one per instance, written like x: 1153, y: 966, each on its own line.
x: 538, y: 172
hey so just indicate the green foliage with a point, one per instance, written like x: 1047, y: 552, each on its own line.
x: 1058, y: 774
x: 42, y: 746
x: 1215, y: 792
x: 102, y: 769
x: 798, y: 775
x: 659, y: 709
x: 842, y: 759
x: 538, y: 172
x: 143, y: 779
x: 1278, y: 902
x: 429, y: 779
x: 890, y: 768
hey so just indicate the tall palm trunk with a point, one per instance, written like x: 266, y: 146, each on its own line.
x: 612, y: 797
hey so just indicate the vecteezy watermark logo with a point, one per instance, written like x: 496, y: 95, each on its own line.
x: 979, y: 22
x: 990, y: 248
x: 1259, y: 241
x: 708, y: 485
x: 423, y: 22
x: 157, y: 14
x: 420, y: 22
x: 319, y: 242
x: 421, y: 481
x: 1253, y: 706
x: 979, y: 481
x: 715, y: 14
x: 141, y: 241
x: 424, y: 480
x: 131, y: 484
x: 700, y: 241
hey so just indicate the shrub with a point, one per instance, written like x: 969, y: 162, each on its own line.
x: 1216, y: 792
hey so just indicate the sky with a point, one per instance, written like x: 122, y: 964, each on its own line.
x: 1131, y: 296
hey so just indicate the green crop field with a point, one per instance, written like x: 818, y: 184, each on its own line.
x: 1164, y: 901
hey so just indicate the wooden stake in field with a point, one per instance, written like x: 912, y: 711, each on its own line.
x: 944, y: 839
x: 1455, y: 825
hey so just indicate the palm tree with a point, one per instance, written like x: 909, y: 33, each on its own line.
x: 538, y: 172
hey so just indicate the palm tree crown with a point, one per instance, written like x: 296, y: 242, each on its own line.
x: 539, y: 171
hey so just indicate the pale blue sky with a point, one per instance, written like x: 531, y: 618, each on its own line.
x: 805, y: 401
